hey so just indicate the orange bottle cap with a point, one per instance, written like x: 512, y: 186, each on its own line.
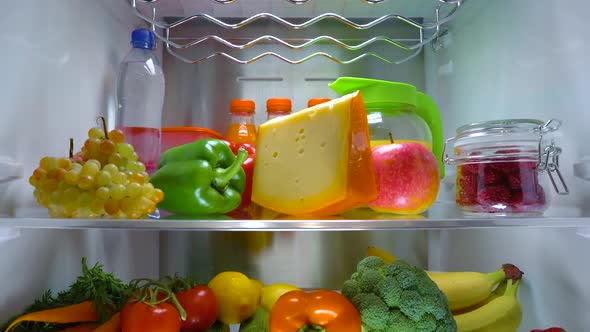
x: 278, y: 105
x: 315, y: 101
x: 242, y: 106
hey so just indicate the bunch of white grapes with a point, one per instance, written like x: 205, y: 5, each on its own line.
x: 104, y: 179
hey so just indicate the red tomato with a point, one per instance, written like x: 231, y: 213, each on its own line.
x: 140, y: 317
x: 200, y: 304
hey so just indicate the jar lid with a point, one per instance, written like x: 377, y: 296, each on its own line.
x: 509, y: 139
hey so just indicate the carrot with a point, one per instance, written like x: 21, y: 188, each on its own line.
x: 111, y: 325
x: 81, y: 328
x: 77, y: 313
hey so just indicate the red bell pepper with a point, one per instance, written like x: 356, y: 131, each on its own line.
x: 551, y: 329
x: 248, y: 167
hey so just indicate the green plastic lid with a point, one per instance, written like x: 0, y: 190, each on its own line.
x: 376, y: 93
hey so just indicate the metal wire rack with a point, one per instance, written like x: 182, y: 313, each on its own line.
x: 427, y: 32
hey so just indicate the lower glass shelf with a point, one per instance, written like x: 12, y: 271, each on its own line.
x: 438, y: 217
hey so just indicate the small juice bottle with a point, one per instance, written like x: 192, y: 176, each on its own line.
x: 315, y: 101
x: 276, y: 107
x: 241, y: 127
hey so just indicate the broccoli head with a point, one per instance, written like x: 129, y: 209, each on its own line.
x: 397, y: 297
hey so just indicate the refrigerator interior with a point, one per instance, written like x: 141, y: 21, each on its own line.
x: 499, y: 59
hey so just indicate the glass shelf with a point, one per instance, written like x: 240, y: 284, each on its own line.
x: 439, y: 217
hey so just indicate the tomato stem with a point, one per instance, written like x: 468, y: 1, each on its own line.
x: 153, y: 296
x: 312, y: 328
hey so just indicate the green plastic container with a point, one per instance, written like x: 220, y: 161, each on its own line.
x: 399, y: 108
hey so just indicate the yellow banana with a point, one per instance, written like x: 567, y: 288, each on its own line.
x: 462, y: 289
x: 495, y: 294
x: 503, y: 314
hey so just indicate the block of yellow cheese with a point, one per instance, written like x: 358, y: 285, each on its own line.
x: 316, y: 161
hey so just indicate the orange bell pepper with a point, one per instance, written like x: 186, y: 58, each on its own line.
x: 321, y: 311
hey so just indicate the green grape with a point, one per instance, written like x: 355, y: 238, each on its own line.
x: 49, y: 185
x: 90, y: 168
x: 96, y: 132
x: 64, y: 163
x: 146, y: 205
x: 134, y: 157
x: 33, y: 181
x: 147, y: 190
x: 129, y: 205
x: 117, y: 191
x: 133, y: 189
x: 126, y: 150
x: 72, y: 177
x: 112, y: 169
x: 71, y: 194
x: 48, y: 163
x: 57, y: 197
x: 136, y: 166
x: 85, y: 199
x: 84, y: 213
x: 119, y: 178
x: 97, y: 206
x: 86, y: 182
x: 103, y: 193
x: 56, y: 211
x: 116, y: 159
x: 103, y: 178
x: 76, y: 166
x: 96, y: 162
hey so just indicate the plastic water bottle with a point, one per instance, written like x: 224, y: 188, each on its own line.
x: 140, y: 98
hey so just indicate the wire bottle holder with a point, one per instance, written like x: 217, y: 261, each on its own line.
x: 428, y: 32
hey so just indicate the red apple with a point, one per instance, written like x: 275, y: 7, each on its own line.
x: 407, y: 178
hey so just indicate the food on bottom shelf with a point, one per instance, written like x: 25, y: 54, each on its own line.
x: 259, y: 322
x: 504, y: 313
x: 271, y: 293
x: 464, y: 290
x: 201, y: 307
x: 551, y: 329
x: 91, y: 298
x: 379, y: 296
x: 104, y: 179
x: 237, y: 295
x: 407, y: 178
x: 199, y: 178
x: 316, y: 161
x: 511, y: 184
x: 397, y: 296
x: 321, y: 310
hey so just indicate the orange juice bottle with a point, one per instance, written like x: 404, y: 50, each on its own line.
x: 241, y: 126
x: 276, y: 107
x: 315, y: 101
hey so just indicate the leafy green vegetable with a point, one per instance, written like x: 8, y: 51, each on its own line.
x: 397, y: 297
x: 108, y: 293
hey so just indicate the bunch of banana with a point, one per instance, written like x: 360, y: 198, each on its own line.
x: 480, y: 302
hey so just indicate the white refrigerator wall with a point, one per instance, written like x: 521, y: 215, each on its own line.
x: 59, y: 62
x: 523, y: 59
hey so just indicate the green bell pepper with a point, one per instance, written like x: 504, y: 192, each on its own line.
x: 202, y: 177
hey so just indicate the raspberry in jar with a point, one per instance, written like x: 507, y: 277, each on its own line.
x: 501, y: 166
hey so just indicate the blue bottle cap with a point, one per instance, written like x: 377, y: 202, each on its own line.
x: 142, y: 38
